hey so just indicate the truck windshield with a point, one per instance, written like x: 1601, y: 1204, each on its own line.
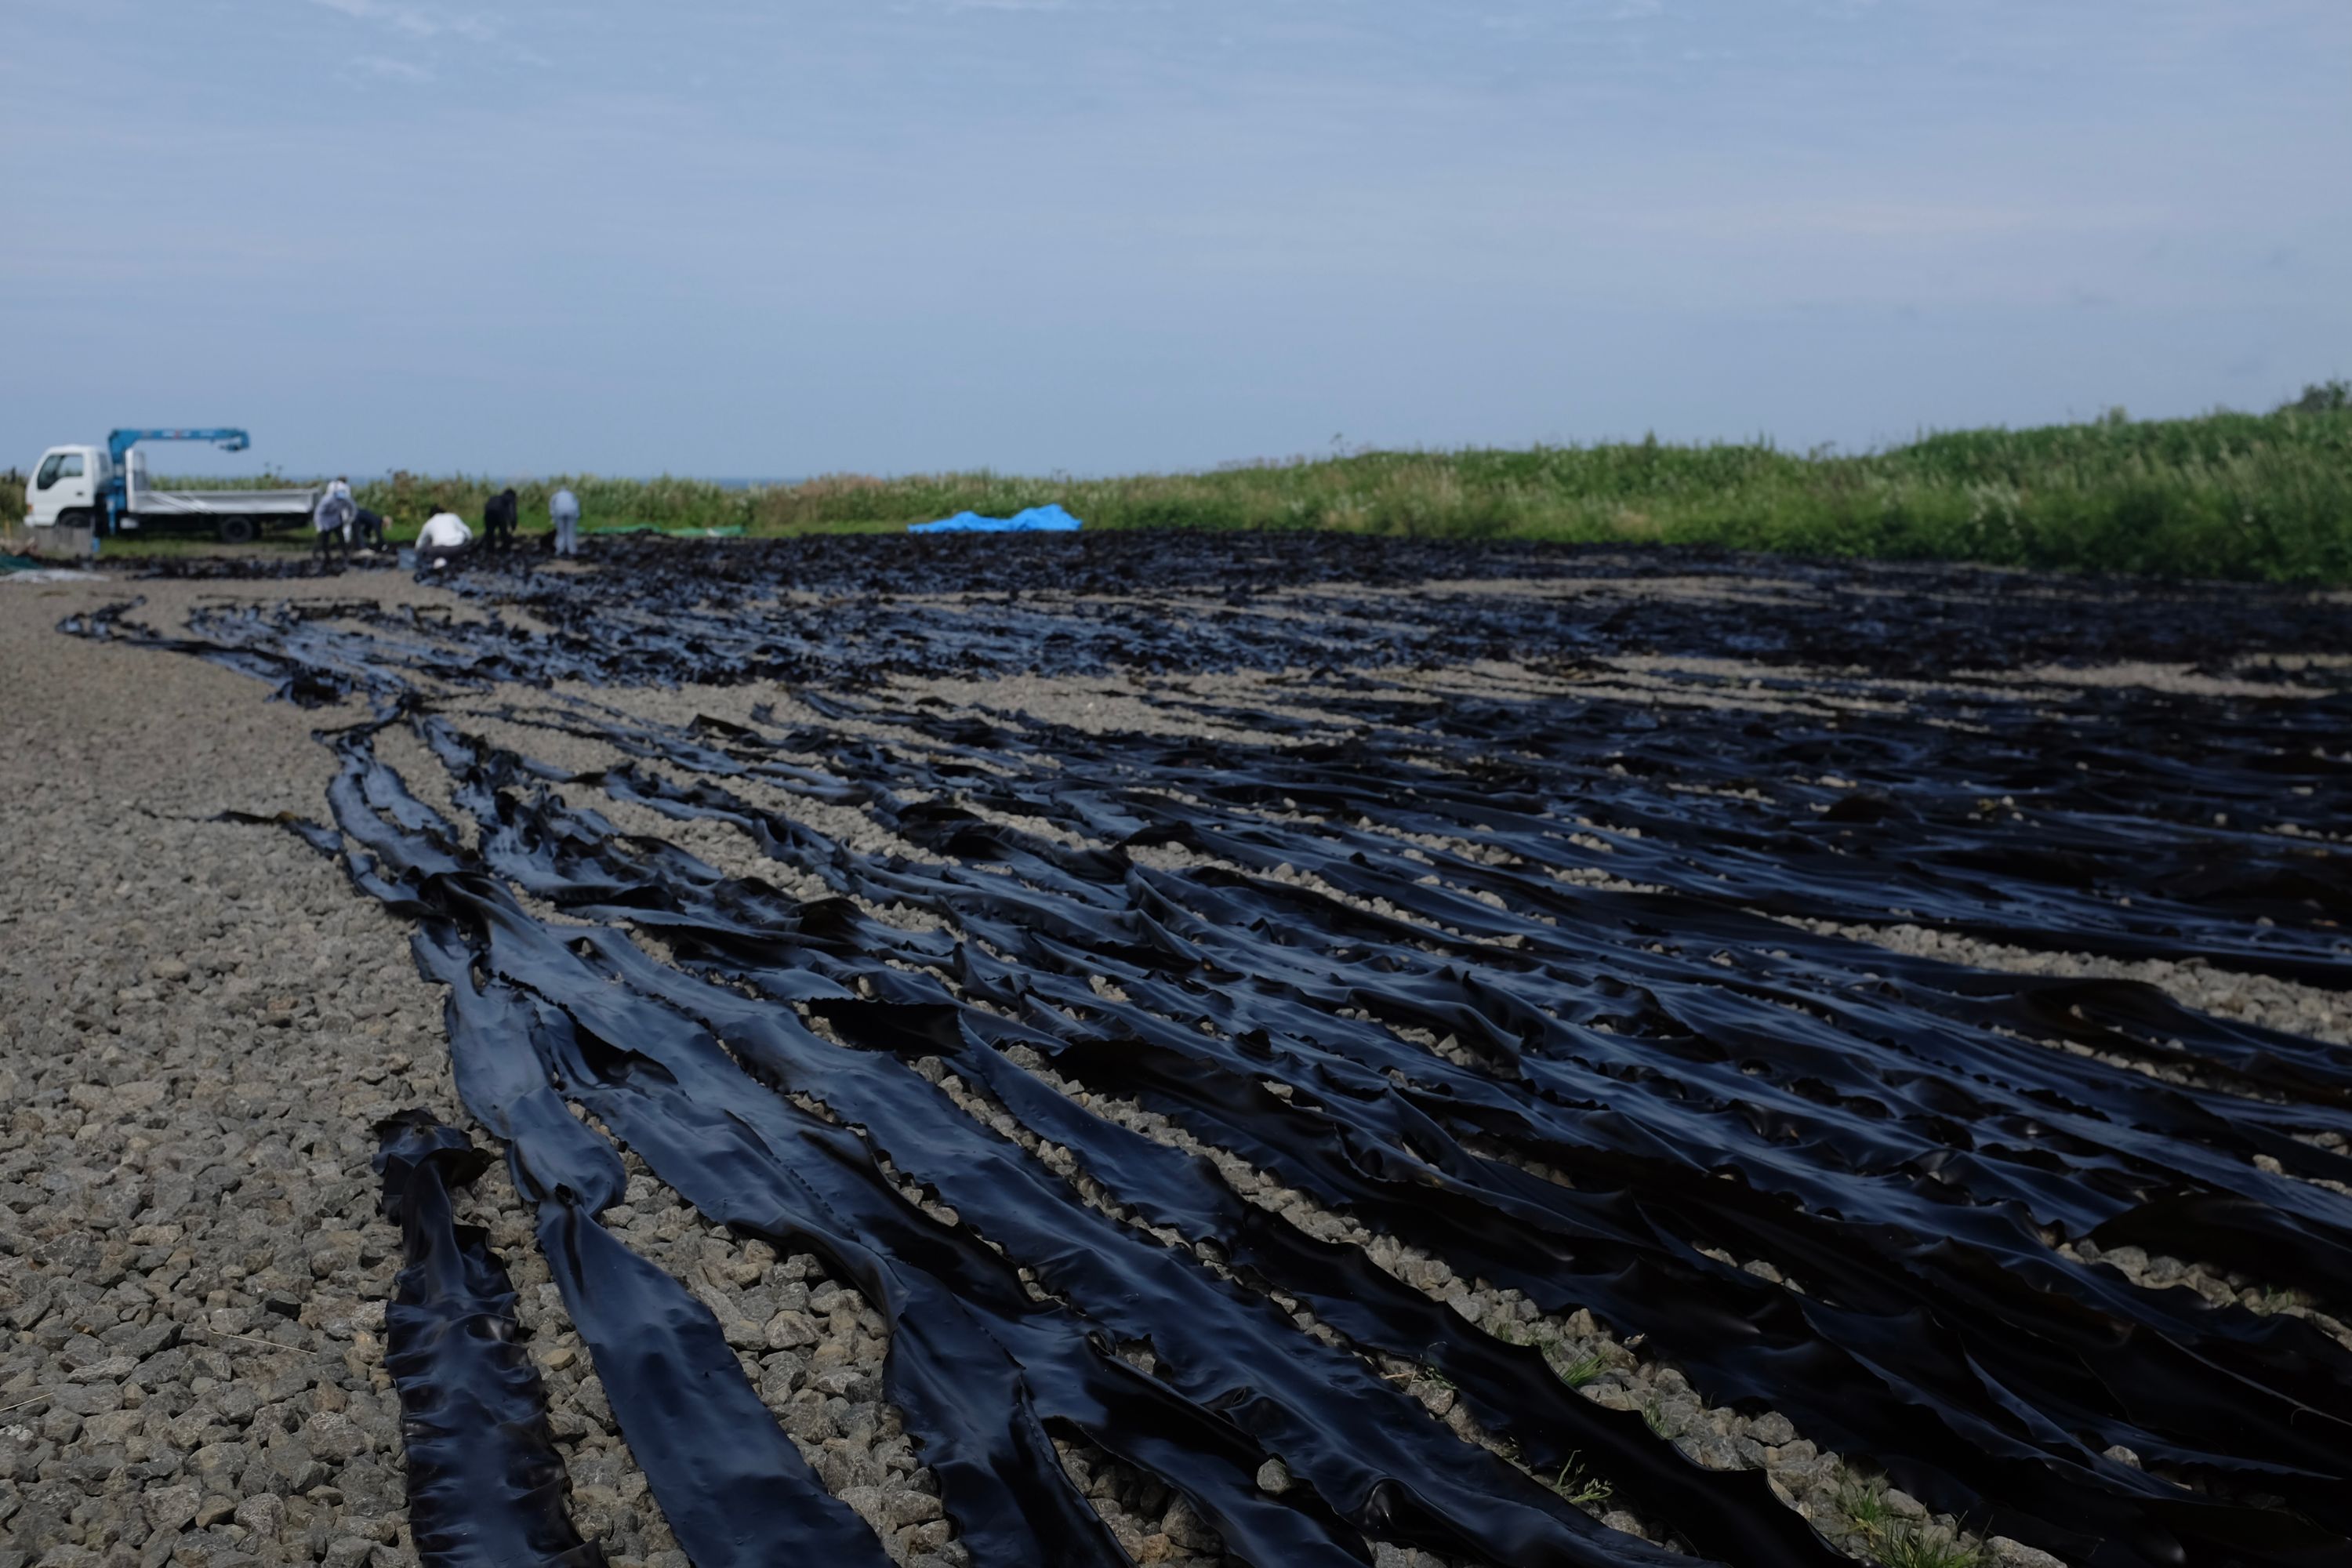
x: 59, y: 466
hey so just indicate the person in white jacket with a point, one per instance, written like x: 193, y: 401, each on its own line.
x: 339, y: 489
x: 330, y: 518
x: 444, y: 538
x: 563, y: 511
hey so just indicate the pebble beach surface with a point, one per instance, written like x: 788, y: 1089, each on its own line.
x: 201, y: 1024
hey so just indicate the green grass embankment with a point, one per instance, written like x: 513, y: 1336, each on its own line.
x: 2265, y: 496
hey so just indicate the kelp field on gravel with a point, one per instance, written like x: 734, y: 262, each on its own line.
x: 2251, y: 497
x: 974, y: 914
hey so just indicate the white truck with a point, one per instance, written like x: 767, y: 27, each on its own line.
x: 105, y: 489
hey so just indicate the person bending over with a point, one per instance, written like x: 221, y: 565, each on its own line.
x: 329, y: 519
x: 444, y: 538
x: 367, y: 528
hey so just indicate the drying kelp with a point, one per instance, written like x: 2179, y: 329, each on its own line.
x: 485, y: 1487
x: 1532, y: 974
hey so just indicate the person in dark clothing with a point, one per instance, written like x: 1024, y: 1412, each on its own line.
x: 367, y: 528
x: 498, y: 518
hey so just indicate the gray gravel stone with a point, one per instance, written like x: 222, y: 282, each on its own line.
x: 1902, y: 1505
x: 2017, y: 1554
x: 203, y: 1020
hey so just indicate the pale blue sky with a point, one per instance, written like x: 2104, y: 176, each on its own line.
x: 732, y: 239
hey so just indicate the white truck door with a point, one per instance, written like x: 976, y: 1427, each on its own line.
x: 65, y: 481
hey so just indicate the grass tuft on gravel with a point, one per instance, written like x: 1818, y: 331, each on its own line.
x: 1866, y: 1507
x: 1912, y: 1544
x: 1580, y: 1487
x: 1902, y: 1542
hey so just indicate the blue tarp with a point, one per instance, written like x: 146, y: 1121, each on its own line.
x: 1036, y: 519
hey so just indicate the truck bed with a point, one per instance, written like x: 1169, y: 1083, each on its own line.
x: 163, y: 504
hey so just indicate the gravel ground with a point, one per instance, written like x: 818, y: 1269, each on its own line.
x: 204, y: 1022
x: 193, y: 1271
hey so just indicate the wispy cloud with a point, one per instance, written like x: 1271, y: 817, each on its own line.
x: 416, y: 21
x: 386, y: 69
x: 1864, y: 219
x: 1552, y: 19
x: 1090, y: 7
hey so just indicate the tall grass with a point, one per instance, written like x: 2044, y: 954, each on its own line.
x: 2226, y: 495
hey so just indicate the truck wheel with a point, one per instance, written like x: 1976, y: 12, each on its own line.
x: 76, y: 517
x: 236, y: 531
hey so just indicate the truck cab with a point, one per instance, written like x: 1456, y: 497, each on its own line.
x: 105, y: 488
x: 68, y: 487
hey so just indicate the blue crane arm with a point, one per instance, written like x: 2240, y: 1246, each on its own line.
x: 119, y: 442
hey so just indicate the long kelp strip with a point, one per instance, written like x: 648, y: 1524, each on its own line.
x: 485, y: 1487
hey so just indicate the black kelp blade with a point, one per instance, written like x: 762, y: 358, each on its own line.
x: 485, y: 1487
x: 732, y: 1486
